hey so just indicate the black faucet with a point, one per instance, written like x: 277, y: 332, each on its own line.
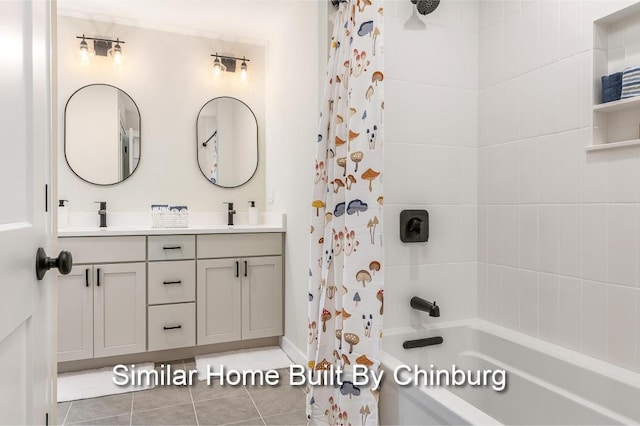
x: 423, y: 305
x: 102, y: 213
x: 230, y: 213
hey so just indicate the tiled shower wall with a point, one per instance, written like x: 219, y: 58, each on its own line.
x: 558, y: 239
x: 431, y: 113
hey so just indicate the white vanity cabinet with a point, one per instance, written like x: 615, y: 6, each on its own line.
x: 157, y: 292
x: 240, y: 287
x: 101, y: 303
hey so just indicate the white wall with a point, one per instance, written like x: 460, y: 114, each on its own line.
x: 292, y: 115
x: 558, y: 234
x: 431, y: 92
x: 170, y: 78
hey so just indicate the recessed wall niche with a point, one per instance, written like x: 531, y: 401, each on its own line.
x: 616, y: 46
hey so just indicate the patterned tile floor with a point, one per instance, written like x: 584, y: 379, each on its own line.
x: 192, y: 405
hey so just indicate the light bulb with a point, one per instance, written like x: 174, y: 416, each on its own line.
x: 243, y: 69
x: 117, y: 54
x: 84, y: 52
x: 216, y: 66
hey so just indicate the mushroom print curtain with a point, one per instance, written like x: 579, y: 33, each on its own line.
x: 346, y: 256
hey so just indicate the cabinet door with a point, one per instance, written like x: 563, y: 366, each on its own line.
x: 262, y: 295
x: 119, y: 309
x: 75, y: 314
x: 219, y: 299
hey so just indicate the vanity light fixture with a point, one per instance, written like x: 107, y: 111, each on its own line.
x: 101, y: 47
x: 228, y: 63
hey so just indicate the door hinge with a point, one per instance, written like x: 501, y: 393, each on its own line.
x: 46, y: 198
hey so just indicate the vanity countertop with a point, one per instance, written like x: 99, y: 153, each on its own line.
x: 269, y: 222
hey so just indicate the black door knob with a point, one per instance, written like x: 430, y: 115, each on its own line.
x: 64, y: 263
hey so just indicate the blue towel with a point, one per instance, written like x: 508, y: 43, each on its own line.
x: 630, y: 82
x: 611, y: 87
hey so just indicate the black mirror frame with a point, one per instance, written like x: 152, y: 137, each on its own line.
x: 65, y: 135
x: 257, y: 143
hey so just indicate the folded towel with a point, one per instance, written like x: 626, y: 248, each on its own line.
x: 611, y: 87
x: 630, y: 82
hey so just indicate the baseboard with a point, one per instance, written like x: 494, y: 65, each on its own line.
x: 292, y: 351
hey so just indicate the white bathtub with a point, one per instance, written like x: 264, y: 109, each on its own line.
x: 546, y: 384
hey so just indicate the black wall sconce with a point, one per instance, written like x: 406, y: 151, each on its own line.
x: 228, y: 63
x: 414, y: 226
x: 101, y: 47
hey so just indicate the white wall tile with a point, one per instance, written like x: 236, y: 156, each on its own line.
x: 570, y: 312
x: 483, y: 175
x: 456, y: 110
x: 495, y: 116
x: 494, y: 174
x: 483, y: 291
x: 529, y: 104
x: 571, y: 93
x: 512, y: 49
x: 511, y: 7
x: 511, y: 298
x: 571, y: 157
x: 511, y: 118
x: 571, y: 28
x: 510, y: 235
x: 594, y: 242
x: 548, y: 32
x: 529, y: 151
x: 548, y: 238
x: 529, y: 35
x: 595, y: 186
x: 496, y: 58
x: 548, y: 169
x: 482, y: 232
x: 494, y: 237
x: 494, y: 286
x: 594, y: 319
x: 491, y: 12
x: 621, y: 326
x: 510, y: 173
x: 622, y: 245
x: 549, y: 88
x: 570, y: 241
x: 548, y: 300
x: 623, y: 171
x: 529, y: 237
x: 529, y: 302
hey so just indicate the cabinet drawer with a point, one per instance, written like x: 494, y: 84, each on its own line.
x: 172, y: 247
x: 172, y: 326
x: 239, y: 245
x: 172, y: 282
x: 104, y: 249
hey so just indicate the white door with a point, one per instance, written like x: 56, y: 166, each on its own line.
x: 27, y: 362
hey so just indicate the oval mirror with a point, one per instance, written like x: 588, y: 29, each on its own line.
x: 227, y: 138
x: 102, y: 134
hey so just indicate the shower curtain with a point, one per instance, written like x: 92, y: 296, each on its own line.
x: 346, y: 266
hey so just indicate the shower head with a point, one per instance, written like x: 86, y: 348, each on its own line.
x: 425, y: 7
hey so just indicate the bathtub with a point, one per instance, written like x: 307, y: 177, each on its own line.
x: 546, y: 384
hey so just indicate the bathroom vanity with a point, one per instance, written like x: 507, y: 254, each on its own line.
x: 145, y: 290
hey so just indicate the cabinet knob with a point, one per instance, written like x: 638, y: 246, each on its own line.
x: 172, y: 327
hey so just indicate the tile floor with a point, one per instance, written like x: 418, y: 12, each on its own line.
x: 192, y: 405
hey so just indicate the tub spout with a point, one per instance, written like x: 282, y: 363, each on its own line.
x: 422, y: 305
